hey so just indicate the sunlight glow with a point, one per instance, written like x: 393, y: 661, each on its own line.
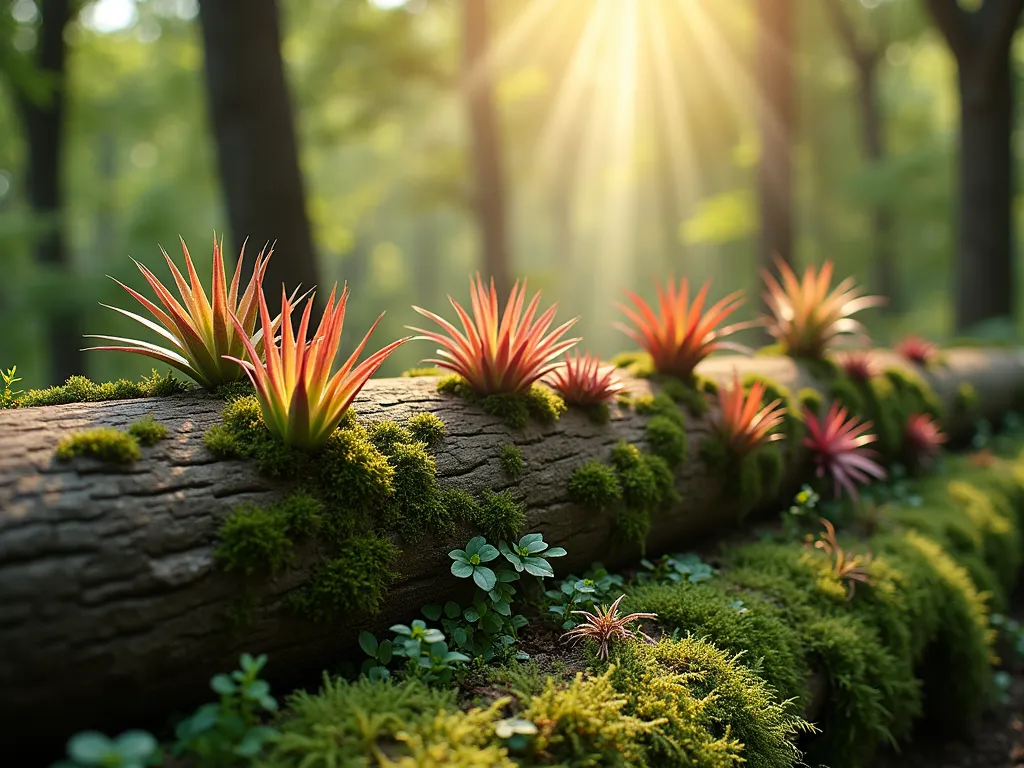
x: 107, y: 16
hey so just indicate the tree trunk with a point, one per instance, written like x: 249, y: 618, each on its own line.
x: 44, y: 133
x: 985, y: 276
x: 113, y: 609
x: 485, y: 137
x: 776, y: 120
x: 256, y: 145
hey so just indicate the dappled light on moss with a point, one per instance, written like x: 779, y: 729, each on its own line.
x: 79, y: 389
x: 539, y: 403
x: 103, y: 443
x: 147, y: 431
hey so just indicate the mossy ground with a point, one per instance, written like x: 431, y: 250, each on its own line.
x: 112, y: 445
x: 79, y: 389
x: 539, y: 403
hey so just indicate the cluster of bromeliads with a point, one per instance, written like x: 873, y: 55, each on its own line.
x: 214, y: 340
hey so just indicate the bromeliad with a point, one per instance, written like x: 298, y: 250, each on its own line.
x: 302, y: 403
x: 200, y: 329
x: 682, y: 333
x: 745, y: 424
x: 922, y: 439
x: 838, y: 447
x: 605, y: 625
x: 499, y: 357
x: 585, y: 381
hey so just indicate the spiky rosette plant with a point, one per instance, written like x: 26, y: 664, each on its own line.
x: 499, y: 355
x: 858, y: 364
x: 200, y: 330
x: 838, y: 444
x: 745, y: 424
x: 848, y: 568
x: 605, y: 625
x: 918, y: 350
x: 583, y: 380
x: 807, y: 314
x: 681, y: 333
x: 922, y: 439
x: 302, y: 404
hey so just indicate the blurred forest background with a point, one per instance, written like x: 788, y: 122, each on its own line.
x: 590, y: 145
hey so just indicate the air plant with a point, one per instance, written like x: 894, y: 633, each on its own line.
x: 858, y: 364
x: 918, y: 350
x: 922, y: 438
x: 494, y: 357
x: 199, y: 329
x: 605, y: 625
x: 302, y: 403
x: 745, y: 424
x: 838, y: 447
x: 583, y: 380
x: 807, y: 315
x: 682, y: 333
x: 845, y: 567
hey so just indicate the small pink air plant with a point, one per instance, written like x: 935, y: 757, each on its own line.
x: 922, y: 439
x: 583, y: 380
x: 302, y: 403
x: 683, y: 332
x: 745, y: 425
x: 858, y: 364
x: 605, y: 625
x: 918, y: 350
x: 837, y: 446
x: 496, y: 354
x: 848, y: 568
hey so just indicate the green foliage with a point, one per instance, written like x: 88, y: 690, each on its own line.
x: 427, y: 428
x: 385, y: 435
x: 597, y: 587
x: 103, y: 443
x: 426, y: 652
x: 512, y: 461
x: 261, y: 539
x: 9, y: 396
x: 132, y: 749
x: 79, y: 389
x: 595, y: 485
x: 965, y: 402
x: 539, y: 403
x: 691, y: 394
x: 647, y: 485
x: 675, y: 569
x: 667, y: 440
x: 148, y: 431
x: 811, y: 400
x: 499, y: 516
x: 229, y: 733
x: 352, y: 581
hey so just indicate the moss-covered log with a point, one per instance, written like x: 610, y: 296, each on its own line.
x: 111, y: 597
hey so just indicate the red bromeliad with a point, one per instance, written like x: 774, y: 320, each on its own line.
x: 583, y: 380
x: 918, y: 350
x: 682, y: 333
x: 745, y: 424
x: 494, y: 357
x: 852, y: 569
x: 837, y: 445
x: 605, y: 625
x: 858, y: 364
x: 922, y: 438
x: 302, y: 403
x: 806, y: 315
x: 201, y: 329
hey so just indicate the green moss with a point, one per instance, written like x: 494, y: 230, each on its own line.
x: 417, y: 499
x: 413, y: 373
x: 811, y: 400
x: 79, y: 389
x: 539, y: 403
x: 647, y: 485
x: 461, y: 506
x: 148, y: 431
x: 637, y: 363
x: 512, y: 461
x: 261, y: 539
x: 965, y: 402
x: 691, y: 394
x: 499, y: 516
x: 103, y: 443
x: 595, y: 485
x: 916, y: 393
x: 427, y: 428
x: 848, y: 394
x: 385, y: 435
x: 599, y: 413
x: 770, y: 465
x: 234, y: 390
x: 352, y: 582
x: 667, y: 440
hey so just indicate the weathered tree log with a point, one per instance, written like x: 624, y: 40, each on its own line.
x: 113, y: 608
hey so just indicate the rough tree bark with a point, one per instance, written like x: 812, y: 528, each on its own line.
x: 866, y: 57
x: 985, y: 283
x: 112, y: 607
x: 776, y: 117
x: 485, y: 136
x: 43, y: 119
x: 256, y: 145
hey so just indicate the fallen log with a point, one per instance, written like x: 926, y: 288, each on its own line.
x: 112, y: 605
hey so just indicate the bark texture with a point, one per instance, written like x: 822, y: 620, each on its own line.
x: 112, y: 606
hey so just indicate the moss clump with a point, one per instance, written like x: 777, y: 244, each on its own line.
x: 512, y: 461
x: 413, y: 373
x: 148, y: 431
x: 916, y: 393
x: 103, y: 443
x: 667, y: 440
x: 811, y: 400
x: 539, y: 403
x: 647, y: 485
x: 234, y: 390
x: 417, y: 502
x: 79, y: 389
x: 595, y: 485
x: 352, y: 582
x: 499, y: 516
x: 965, y: 402
x: 261, y: 539
x: 385, y: 435
x: 427, y: 428
x: 636, y: 363
x: 692, y: 394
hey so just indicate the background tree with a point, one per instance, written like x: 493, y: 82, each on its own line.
x: 485, y: 141
x: 985, y: 278
x: 256, y: 145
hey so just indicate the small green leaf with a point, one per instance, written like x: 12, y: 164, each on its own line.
x: 556, y: 552
x: 433, y: 636
x: 475, y: 544
x: 432, y: 612
x: 368, y: 643
x: 223, y: 685
x: 487, y: 553
x: 470, y: 614
x: 90, y: 747
x: 484, y: 578
x: 401, y: 629
x: 384, y: 652
x: 462, y: 570
x: 538, y: 566
x: 452, y: 610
